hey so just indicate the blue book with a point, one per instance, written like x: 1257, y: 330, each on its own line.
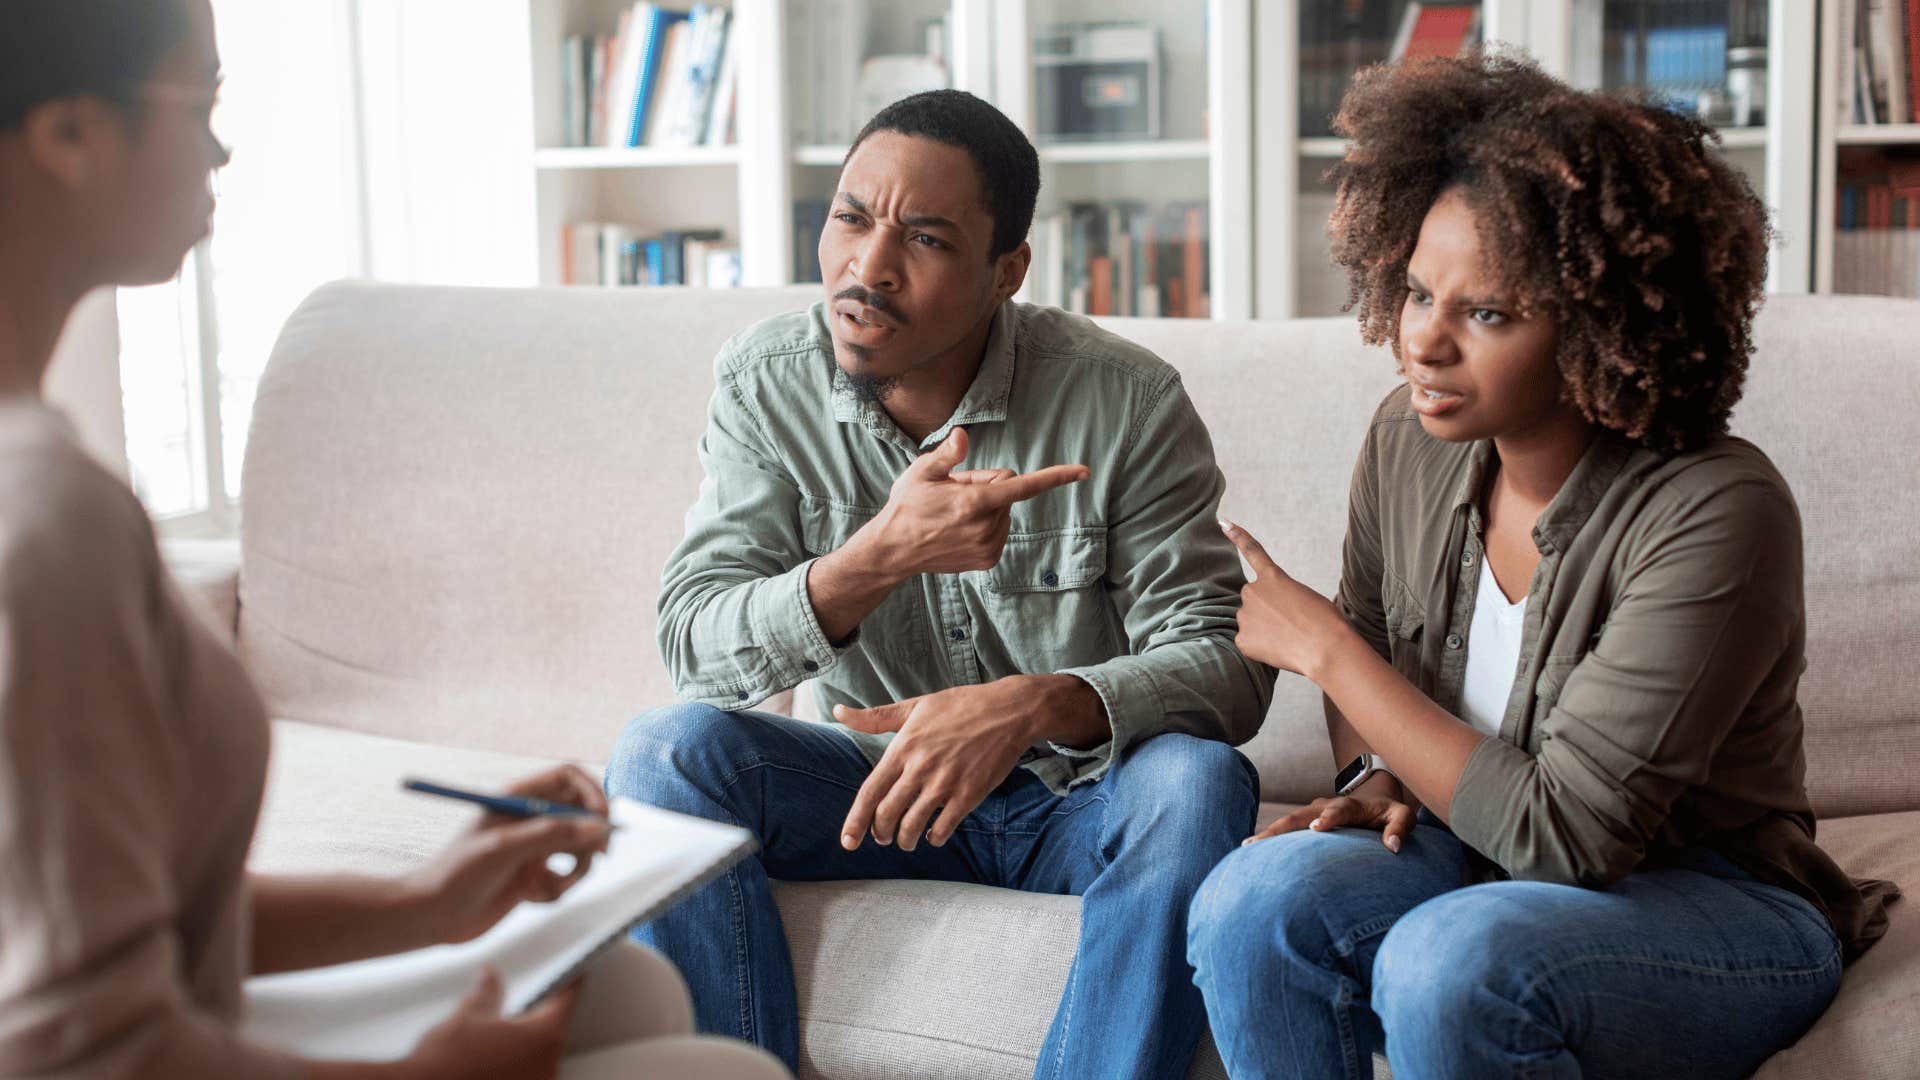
x: 656, y: 263
x: 652, y: 23
x: 1849, y: 206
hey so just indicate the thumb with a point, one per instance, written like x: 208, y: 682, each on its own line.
x: 946, y: 457
x: 874, y: 721
x: 1250, y: 549
x: 484, y: 998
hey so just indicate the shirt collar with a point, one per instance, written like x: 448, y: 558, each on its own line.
x: 986, y: 399
x: 1572, y: 505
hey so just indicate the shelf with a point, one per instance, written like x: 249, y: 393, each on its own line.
x: 1743, y: 138
x: 1878, y: 135
x: 818, y: 154
x: 1323, y: 146
x: 1115, y: 152
x: 643, y: 157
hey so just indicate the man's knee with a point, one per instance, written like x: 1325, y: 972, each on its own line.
x: 670, y: 747
x: 1188, y: 789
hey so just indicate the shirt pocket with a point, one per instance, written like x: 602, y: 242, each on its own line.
x: 1406, y: 619
x: 897, y: 627
x: 1046, y: 602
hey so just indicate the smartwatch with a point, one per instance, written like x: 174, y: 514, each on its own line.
x: 1358, y: 771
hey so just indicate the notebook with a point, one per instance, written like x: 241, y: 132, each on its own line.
x: 377, y: 1010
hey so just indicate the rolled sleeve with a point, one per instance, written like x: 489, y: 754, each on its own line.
x: 1710, y: 599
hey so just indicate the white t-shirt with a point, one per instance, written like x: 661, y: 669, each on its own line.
x: 1493, y: 654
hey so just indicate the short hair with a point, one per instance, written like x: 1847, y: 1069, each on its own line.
x: 55, y: 49
x: 1007, y: 164
x: 1613, y: 215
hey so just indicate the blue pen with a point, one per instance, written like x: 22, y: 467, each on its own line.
x: 520, y: 806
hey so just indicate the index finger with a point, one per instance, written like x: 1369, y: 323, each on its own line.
x: 860, y: 817
x: 1255, y: 554
x: 1021, y: 488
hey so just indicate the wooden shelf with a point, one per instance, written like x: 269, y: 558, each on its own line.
x: 1878, y: 135
x: 1116, y: 152
x: 643, y: 157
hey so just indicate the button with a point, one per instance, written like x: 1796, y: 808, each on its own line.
x: 957, y: 634
x: 1466, y: 558
x: 810, y: 665
x: 741, y: 696
x: 1454, y: 641
x: 1050, y: 579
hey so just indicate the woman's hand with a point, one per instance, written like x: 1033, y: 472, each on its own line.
x: 503, y: 861
x: 1361, y: 810
x: 1282, y: 622
x: 477, y: 1042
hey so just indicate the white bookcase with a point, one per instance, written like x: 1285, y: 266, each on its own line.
x: 1232, y: 133
x: 1839, y: 133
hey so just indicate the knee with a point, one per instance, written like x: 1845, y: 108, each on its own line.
x: 1265, y: 898
x: 1444, y: 961
x: 667, y: 747
x: 1195, y: 792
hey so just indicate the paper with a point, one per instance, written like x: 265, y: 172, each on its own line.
x: 377, y: 1010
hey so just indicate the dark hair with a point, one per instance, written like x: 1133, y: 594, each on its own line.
x: 53, y: 49
x: 1008, y: 166
x: 1614, y: 216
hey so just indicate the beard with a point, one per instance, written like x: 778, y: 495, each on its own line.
x: 869, y: 389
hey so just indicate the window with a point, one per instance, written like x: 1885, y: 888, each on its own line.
x: 289, y: 218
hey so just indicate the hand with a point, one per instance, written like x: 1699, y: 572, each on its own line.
x: 940, y: 519
x: 477, y: 1043
x: 953, y: 747
x: 502, y: 861
x: 1362, y: 809
x: 1282, y: 622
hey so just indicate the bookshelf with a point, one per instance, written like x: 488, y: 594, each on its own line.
x: 1855, y: 154
x: 1228, y: 65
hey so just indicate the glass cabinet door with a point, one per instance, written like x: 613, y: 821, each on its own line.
x: 1119, y: 92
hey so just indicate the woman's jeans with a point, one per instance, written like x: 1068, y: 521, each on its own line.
x: 1313, y: 949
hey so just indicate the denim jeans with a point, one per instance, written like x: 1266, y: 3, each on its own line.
x: 1135, y: 844
x: 1314, y: 948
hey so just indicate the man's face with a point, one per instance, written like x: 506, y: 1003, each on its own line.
x: 904, y: 258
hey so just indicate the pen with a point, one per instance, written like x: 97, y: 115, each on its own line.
x: 520, y: 806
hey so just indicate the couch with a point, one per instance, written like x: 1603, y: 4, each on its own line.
x: 458, y: 503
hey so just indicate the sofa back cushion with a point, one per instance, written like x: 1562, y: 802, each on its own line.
x: 459, y: 502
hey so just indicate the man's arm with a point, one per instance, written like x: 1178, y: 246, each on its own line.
x: 1176, y: 581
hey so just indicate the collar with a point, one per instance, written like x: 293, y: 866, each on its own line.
x: 1572, y: 505
x: 986, y: 399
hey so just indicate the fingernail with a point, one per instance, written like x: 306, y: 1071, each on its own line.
x: 849, y: 841
x: 1247, y: 841
x: 1393, y: 844
x: 1225, y: 525
x: 1314, y: 824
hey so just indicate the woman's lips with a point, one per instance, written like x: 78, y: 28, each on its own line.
x: 1434, y: 402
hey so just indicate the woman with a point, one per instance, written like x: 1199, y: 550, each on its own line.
x: 1569, y: 625
x: 132, y: 747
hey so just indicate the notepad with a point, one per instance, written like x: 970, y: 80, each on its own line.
x: 378, y: 1010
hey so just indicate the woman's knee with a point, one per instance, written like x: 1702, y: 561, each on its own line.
x: 1440, y: 962
x: 1271, y: 891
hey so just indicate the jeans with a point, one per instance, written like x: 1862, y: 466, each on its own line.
x: 1135, y: 844
x: 1312, y: 949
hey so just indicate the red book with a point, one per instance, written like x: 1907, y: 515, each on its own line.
x: 1913, y: 57
x: 1879, y: 207
x: 1439, y: 29
x: 1195, y: 262
x: 1099, y: 285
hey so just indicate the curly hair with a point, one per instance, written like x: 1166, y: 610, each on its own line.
x: 1608, y: 214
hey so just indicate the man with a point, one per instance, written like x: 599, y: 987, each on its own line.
x: 1050, y: 645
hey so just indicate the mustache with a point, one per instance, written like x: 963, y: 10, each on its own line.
x: 860, y: 294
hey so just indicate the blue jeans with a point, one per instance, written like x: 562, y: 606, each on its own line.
x: 1314, y: 948
x: 1135, y: 845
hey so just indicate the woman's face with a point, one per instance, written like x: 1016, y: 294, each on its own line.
x: 160, y: 203
x: 1479, y: 368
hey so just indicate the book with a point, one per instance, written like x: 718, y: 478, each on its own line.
x: 623, y: 67
x: 1913, y: 58
x: 670, y: 85
x: 1435, y: 30
x: 651, y: 28
x: 378, y: 1010
x: 1886, y: 59
x: 719, y: 125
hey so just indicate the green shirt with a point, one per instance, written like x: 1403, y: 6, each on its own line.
x: 1655, y: 704
x: 1123, y: 580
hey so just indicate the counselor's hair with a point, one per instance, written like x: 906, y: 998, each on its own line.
x: 1614, y: 216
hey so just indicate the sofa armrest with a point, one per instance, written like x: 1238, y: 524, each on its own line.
x: 208, y: 573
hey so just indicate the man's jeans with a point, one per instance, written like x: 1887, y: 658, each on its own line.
x: 1311, y: 948
x: 1135, y: 844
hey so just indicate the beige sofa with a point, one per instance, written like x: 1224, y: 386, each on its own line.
x: 458, y: 504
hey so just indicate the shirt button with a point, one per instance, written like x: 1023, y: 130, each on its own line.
x: 1454, y: 641
x: 741, y: 696
x: 1050, y: 579
x: 1466, y: 558
x: 810, y: 666
x: 957, y: 634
